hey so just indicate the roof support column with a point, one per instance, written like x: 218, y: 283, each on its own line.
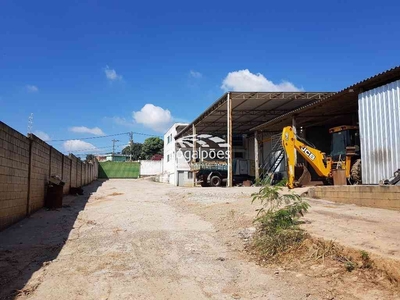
x: 294, y: 124
x: 194, y: 154
x: 194, y: 139
x: 229, y: 137
x: 256, y: 160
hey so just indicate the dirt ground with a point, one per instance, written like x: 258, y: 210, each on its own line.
x: 136, y: 239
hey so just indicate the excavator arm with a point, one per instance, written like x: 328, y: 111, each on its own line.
x: 313, y: 156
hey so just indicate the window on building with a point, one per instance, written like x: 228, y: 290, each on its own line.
x: 168, y: 158
x: 169, y: 138
x: 190, y: 175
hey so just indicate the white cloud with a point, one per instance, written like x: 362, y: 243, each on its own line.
x: 42, y: 135
x: 154, y: 117
x: 111, y: 74
x: 31, y: 88
x: 83, y: 129
x: 78, y: 145
x: 195, y: 74
x: 122, y: 121
x: 245, y: 81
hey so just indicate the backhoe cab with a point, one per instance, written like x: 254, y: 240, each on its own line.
x: 345, y: 154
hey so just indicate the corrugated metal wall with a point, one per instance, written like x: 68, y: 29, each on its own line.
x: 379, y: 117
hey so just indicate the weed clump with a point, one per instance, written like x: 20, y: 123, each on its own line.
x: 366, y: 260
x: 277, y: 220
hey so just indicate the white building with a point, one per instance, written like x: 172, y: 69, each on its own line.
x: 176, y: 169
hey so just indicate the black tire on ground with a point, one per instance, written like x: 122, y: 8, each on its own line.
x: 355, y: 172
x: 204, y: 184
x: 215, y: 181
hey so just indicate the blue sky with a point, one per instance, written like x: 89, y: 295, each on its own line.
x: 105, y: 67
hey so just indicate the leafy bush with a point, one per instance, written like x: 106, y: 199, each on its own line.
x: 277, y: 220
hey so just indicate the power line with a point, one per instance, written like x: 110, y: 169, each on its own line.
x: 91, y: 149
x: 91, y: 137
x: 106, y: 136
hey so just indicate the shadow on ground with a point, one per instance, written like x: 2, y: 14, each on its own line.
x: 29, y: 244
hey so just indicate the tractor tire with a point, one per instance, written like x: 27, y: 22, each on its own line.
x: 355, y: 172
x: 215, y: 181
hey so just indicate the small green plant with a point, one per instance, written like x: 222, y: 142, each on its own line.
x: 364, y: 255
x: 348, y: 262
x: 349, y: 265
x: 366, y: 260
x: 277, y: 220
x: 279, y: 209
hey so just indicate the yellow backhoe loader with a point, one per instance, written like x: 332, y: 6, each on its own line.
x: 345, y: 155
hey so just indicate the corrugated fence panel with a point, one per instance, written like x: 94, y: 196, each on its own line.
x: 379, y: 116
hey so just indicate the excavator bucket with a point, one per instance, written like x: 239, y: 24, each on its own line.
x: 302, y: 175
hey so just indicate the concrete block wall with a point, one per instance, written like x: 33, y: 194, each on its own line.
x: 83, y: 173
x: 96, y: 170
x: 386, y: 197
x: 14, y: 171
x: 78, y: 173
x: 26, y: 163
x: 56, y: 163
x: 40, y: 170
x: 66, y: 173
x: 74, y: 171
x: 90, y: 168
x: 85, y: 179
x: 88, y: 172
x: 151, y: 167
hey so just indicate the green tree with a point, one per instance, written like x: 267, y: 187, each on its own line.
x: 152, y: 146
x: 136, y: 151
x: 90, y: 157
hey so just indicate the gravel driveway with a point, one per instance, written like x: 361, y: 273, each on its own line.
x: 131, y: 239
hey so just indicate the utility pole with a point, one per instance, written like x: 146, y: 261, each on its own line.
x: 114, y: 141
x: 30, y: 123
x: 130, y: 145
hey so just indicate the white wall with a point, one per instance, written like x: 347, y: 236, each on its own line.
x: 170, y: 165
x: 169, y: 150
x: 183, y: 178
x: 151, y: 167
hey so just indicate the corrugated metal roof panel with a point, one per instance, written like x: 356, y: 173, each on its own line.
x: 379, y: 117
x: 359, y: 87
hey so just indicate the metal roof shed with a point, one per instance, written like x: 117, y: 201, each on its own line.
x: 239, y: 112
x: 340, y: 107
x: 375, y: 104
x: 249, y: 109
